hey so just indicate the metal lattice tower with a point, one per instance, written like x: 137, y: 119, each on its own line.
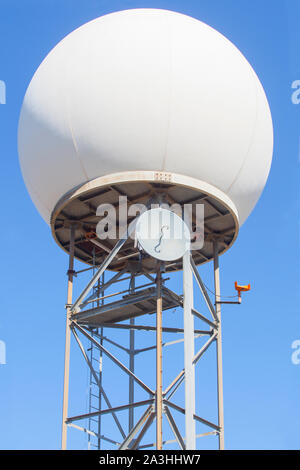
x: 154, y: 298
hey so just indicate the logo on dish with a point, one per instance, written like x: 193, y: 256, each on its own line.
x: 115, y: 219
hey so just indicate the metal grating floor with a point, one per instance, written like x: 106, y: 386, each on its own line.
x: 130, y: 306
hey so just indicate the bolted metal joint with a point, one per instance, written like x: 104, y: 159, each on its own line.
x: 71, y: 272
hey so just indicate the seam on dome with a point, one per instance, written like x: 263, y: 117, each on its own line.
x: 170, y: 35
x: 250, y: 143
x: 66, y: 101
x: 76, y: 147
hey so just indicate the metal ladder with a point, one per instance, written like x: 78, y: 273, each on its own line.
x: 94, y: 423
x: 95, y: 396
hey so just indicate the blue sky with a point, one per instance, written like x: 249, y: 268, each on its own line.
x: 261, y: 384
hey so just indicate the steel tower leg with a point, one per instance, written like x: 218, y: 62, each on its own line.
x: 219, y: 346
x: 101, y: 293
x: 131, y: 363
x: 159, y: 363
x: 190, y: 428
x: 131, y: 381
x: 67, y: 343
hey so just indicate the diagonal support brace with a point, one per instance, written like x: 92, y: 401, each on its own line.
x: 114, y: 359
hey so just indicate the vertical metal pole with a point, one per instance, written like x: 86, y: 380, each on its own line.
x: 159, y: 363
x: 131, y: 381
x: 101, y: 293
x: 91, y: 348
x: 131, y: 363
x: 219, y: 346
x: 68, y: 338
x: 190, y: 427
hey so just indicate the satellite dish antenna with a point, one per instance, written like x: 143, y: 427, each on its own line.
x: 163, y: 234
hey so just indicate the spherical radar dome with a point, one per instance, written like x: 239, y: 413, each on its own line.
x: 143, y: 91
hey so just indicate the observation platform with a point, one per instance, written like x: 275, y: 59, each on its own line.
x: 79, y: 207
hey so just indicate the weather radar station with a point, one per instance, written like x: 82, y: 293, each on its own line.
x: 145, y: 140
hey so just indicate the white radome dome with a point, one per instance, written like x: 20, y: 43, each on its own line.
x: 141, y: 90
